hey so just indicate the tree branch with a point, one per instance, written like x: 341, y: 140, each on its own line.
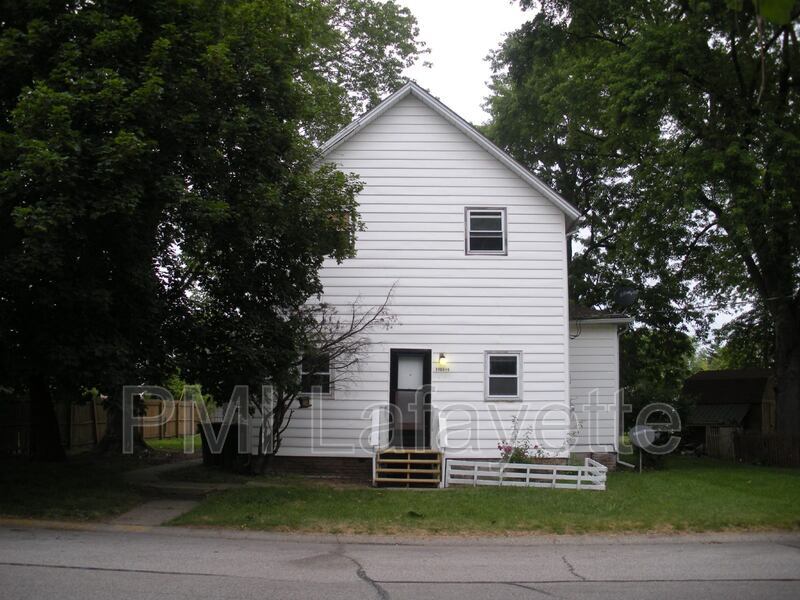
x: 693, y: 245
x: 752, y: 267
x: 735, y: 54
x: 340, y: 341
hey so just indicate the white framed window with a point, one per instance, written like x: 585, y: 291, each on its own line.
x: 503, y: 375
x: 315, y: 375
x: 485, y: 230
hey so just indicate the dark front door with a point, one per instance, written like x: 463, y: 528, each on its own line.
x: 410, y: 398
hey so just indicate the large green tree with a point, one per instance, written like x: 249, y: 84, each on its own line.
x: 747, y: 341
x: 675, y: 127
x: 159, y: 200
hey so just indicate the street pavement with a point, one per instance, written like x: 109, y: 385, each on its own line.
x: 118, y: 561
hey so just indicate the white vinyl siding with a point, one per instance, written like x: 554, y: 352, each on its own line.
x: 594, y: 381
x: 421, y: 174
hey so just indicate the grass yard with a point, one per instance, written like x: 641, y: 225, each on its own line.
x: 201, y: 474
x: 83, y: 488
x: 175, y: 444
x: 690, y: 495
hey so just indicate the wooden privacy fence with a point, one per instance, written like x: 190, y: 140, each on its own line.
x: 589, y: 476
x: 768, y: 448
x: 83, y: 425
x: 180, y: 421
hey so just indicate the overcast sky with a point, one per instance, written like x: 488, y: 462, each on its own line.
x: 460, y: 34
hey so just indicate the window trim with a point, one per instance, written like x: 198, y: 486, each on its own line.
x: 329, y: 373
x: 504, y: 225
x: 486, y: 375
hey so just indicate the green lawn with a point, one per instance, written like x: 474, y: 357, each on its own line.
x: 690, y: 495
x: 82, y: 488
x: 202, y: 474
x: 174, y: 444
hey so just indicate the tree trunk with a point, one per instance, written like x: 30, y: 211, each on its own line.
x: 260, y: 463
x: 112, y: 440
x: 787, y: 370
x: 45, y: 443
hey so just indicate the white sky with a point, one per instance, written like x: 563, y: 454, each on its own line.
x: 460, y: 34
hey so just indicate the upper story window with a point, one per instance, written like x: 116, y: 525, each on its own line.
x: 503, y: 375
x: 486, y: 231
x: 315, y: 375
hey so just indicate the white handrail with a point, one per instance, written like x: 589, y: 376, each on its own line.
x: 375, y: 431
x: 439, y: 430
x: 379, y: 430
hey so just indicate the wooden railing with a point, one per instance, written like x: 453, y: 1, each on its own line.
x: 589, y: 476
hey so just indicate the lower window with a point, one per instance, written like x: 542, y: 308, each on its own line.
x: 503, y: 375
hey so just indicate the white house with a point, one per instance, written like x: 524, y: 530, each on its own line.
x: 475, y: 247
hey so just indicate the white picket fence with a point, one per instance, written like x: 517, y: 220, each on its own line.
x: 589, y: 476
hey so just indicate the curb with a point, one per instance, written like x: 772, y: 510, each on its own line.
x: 784, y: 537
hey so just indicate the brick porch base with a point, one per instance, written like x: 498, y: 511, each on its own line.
x: 352, y: 468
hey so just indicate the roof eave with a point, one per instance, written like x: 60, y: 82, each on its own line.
x: 604, y: 321
x: 362, y: 121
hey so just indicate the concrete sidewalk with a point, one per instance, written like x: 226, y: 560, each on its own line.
x: 173, y: 498
x: 155, y: 512
x: 149, y: 479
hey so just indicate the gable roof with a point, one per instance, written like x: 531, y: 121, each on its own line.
x: 729, y: 386
x: 411, y: 88
x: 719, y: 415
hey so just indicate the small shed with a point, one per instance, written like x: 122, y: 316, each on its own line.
x: 726, y: 402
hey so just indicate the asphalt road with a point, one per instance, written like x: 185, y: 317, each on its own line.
x: 118, y: 562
